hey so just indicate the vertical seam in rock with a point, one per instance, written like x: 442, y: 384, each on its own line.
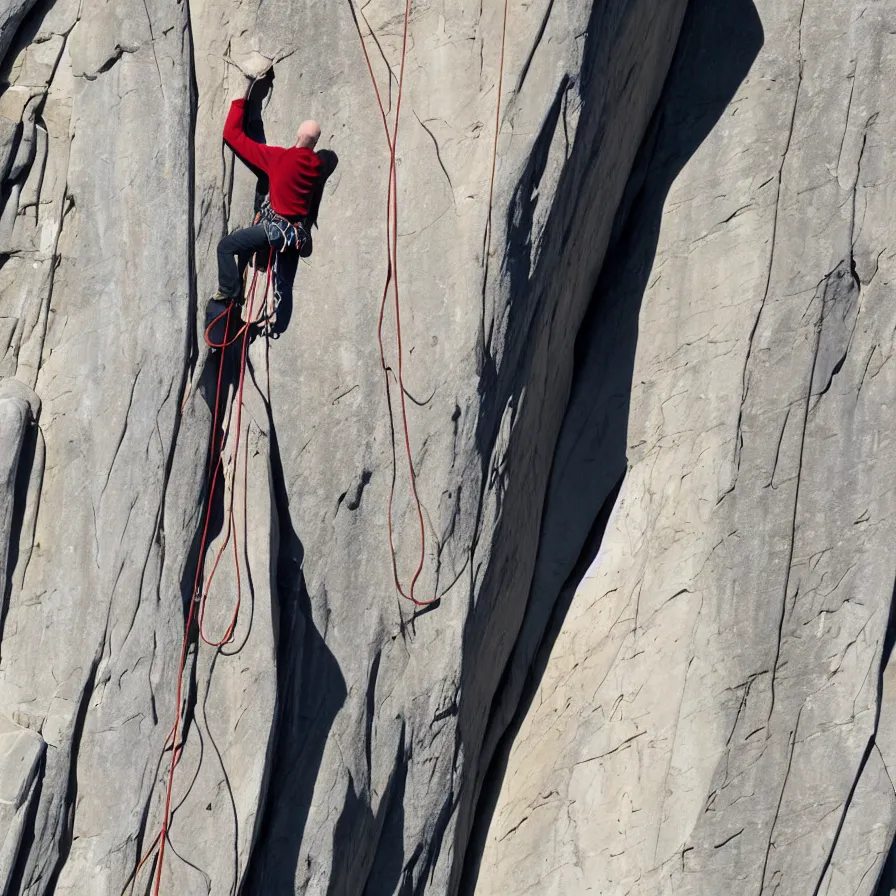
x: 121, y: 435
x: 66, y: 837
x: 662, y: 807
x: 524, y: 71
x: 846, y: 804
x: 771, y: 833
x: 152, y: 45
x: 871, y: 745
x: 64, y: 208
x: 738, y: 442
x: 852, y: 88
x: 771, y: 481
x: 796, y: 501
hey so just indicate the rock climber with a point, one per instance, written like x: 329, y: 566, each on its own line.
x: 295, y: 174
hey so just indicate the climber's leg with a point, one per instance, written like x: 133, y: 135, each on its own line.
x: 234, y: 253
x: 287, y: 263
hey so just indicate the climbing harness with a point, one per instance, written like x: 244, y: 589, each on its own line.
x: 296, y: 237
x: 294, y: 233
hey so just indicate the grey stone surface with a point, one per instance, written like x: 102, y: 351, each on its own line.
x: 20, y: 754
x: 14, y: 414
x: 11, y: 14
x: 335, y: 743
x: 671, y: 351
x: 715, y: 713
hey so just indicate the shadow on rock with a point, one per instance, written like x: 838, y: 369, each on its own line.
x: 311, y: 691
x: 718, y: 44
x: 886, y: 885
x: 310, y: 687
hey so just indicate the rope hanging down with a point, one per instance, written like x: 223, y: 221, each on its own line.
x: 200, y: 593
x: 392, y: 280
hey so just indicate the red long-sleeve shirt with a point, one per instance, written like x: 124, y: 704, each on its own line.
x: 293, y: 171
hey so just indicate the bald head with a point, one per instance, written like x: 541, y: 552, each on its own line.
x: 309, y: 134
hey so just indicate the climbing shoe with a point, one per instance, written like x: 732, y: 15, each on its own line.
x: 216, y: 320
x: 221, y: 299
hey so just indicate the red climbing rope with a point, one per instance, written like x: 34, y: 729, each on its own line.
x: 392, y: 280
x: 200, y: 594
x: 231, y: 524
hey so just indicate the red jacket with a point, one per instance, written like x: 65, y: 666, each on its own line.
x: 293, y: 172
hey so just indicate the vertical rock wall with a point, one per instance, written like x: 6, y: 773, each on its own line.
x: 337, y: 742
x: 716, y: 712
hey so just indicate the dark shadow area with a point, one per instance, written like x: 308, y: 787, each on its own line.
x: 389, y: 872
x: 253, y: 124
x: 222, y: 367
x: 887, y: 881
x: 359, y: 866
x: 28, y: 454
x: 233, y: 845
x: 491, y: 786
x: 20, y: 34
x: 331, y: 162
x: 310, y: 686
x: 719, y: 42
x: 311, y: 691
x: 219, y: 379
x: 67, y: 835
x: 22, y: 870
x: 16, y: 162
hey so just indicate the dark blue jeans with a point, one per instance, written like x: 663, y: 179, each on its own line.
x: 235, y: 251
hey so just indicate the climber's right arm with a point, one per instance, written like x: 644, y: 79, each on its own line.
x: 245, y: 147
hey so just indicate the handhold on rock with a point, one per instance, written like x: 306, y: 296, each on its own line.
x: 253, y: 65
x: 10, y: 387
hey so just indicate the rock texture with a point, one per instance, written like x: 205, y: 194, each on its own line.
x: 334, y: 743
x: 716, y: 711
x: 708, y: 711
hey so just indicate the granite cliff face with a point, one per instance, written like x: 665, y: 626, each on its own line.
x: 717, y: 711
x: 662, y: 347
